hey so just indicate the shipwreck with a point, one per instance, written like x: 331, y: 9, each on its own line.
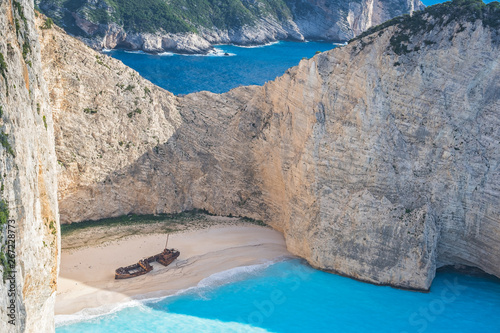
x: 143, y: 266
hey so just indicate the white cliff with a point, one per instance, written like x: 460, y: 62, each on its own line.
x: 28, y: 277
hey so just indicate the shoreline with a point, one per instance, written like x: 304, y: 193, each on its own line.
x: 210, y: 52
x: 86, y: 278
x: 153, y: 297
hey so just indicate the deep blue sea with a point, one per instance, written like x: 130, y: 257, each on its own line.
x: 289, y: 296
x: 218, y: 73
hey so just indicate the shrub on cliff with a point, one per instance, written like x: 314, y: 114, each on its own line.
x: 47, y: 24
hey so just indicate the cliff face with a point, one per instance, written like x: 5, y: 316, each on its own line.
x: 106, y: 116
x: 377, y: 160
x: 29, y: 237
x: 192, y: 26
x: 342, y: 20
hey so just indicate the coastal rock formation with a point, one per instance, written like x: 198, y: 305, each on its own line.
x: 29, y: 237
x: 116, y: 37
x: 378, y: 160
x: 192, y: 26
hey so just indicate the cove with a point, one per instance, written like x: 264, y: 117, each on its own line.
x: 219, y: 73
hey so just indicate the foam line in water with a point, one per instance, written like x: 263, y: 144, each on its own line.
x: 135, y: 52
x: 215, y: 52
x: 151, y: 320
x: 214, y: 280
x: 257, y: 46
x: 221, y: 278
x: 91, y: 313
x: 220, y: 53
x: 233, y: 274
x: 181, y: 322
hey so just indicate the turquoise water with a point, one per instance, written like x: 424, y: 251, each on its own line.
x: 183, y: 74
x: 289, y: 296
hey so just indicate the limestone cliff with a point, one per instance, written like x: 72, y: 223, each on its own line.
x: 106, y: 116
x: 192, y: 26
x: 378, y: 160
x: 29, y: 237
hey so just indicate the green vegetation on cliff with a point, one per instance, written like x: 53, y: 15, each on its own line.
x: 171, y: 16
x: 4, y: 137
x: 144, y: 16
x: 4, y: 212
x: 47, y: 24
x: 3, y: 67
x: 4, y: 217
x: 437, y: 16
x: 4, y: 141
x: 442, y: 14
x: 169, y: 222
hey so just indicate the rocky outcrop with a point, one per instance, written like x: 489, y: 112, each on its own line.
x: 340, y: 21
x: 260, y: 22
x: 377, y: 160
x: 117, y: 37
x: 29, y: 236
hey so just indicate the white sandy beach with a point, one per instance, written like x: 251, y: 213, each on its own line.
x: 86, y: 278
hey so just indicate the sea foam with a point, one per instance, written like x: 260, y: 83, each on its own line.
x: 91, y: 313
x: 210, y: 282
x: 256, y: 46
